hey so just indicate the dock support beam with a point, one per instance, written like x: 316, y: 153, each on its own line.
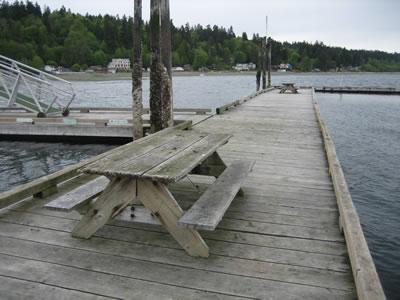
x: 137, y: 105
x: 259, y: 67
x: 269, y: 43
x: 264, y: 62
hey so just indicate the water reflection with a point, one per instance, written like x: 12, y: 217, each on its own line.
x: 21, y: 162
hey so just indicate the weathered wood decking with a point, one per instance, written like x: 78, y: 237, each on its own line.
x: 281, y: 240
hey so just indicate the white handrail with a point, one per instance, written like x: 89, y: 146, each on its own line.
x: 38, y: 85
x: 37, y: 79
x: 33, y: 69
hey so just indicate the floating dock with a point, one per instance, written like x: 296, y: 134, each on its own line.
x: 84, y: 124
x: 358, y: 90
x: 294, y: 234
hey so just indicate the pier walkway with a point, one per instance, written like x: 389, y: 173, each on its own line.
x: 281, y: 240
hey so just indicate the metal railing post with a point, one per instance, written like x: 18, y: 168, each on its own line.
x: 14, y: 91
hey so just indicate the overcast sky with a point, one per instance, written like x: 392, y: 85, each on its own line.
x: 356, y: 24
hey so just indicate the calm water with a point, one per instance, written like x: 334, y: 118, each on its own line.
x: 212, y: 91
x: 21, y: 162
x: 366, y: 131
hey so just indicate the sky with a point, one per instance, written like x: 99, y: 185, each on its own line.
x: 354, y: 24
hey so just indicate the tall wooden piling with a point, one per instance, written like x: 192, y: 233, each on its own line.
x: 269, y: 43
x: 156, y: 68
x: 264, y: 62
x: 166, y: 59
x: 258, y: 75
x: 137, y: 105
x: 259, y: 68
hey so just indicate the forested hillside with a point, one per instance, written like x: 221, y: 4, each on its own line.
x: 39, y: 36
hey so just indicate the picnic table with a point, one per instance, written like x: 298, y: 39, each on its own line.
x: 288, y: 86
x: 140, y: 174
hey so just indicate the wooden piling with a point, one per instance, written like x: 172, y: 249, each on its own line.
x: 156, y: 68
x: 269, y: 43
x: 259, y: 67
x: 137, y: 105
x: 264, y: 62
x: 166, y: 59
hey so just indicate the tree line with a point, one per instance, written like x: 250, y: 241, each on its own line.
x: 39, y: 36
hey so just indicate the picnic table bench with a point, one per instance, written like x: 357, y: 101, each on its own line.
x: 140, y: 174
x: 288, y: 86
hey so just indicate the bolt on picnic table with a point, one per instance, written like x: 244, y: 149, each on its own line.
x: 141, y: 172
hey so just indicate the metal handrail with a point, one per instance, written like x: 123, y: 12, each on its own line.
x: 34, y: 89
x: 33, y: 69
x: 39, y: 79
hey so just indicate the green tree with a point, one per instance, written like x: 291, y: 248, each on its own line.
x: 100, y: 58
x: 306, y: 64
x: 78, y: 45
x: 122, y: 53
x: 68, y: 38
x: 200, y: 58
x: 176, y: 60
x: 110, y: 33
x: 52, y: 63
x: 37, y: 62
x: 53, y: 53
x: 293, y: 57
x: 34, y: 30
x: 146, y: 58
x: 76, y: 67
x: 240, y: 57
x: 184, y: 52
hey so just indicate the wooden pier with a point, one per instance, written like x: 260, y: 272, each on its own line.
x: 280, y: 240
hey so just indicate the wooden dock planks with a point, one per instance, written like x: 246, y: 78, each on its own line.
x: 280, y: 240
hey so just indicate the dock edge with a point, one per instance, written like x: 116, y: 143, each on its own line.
x: 366, y: 278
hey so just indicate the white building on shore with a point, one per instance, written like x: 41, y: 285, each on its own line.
x: 244, y: 67
x: 119, y: 64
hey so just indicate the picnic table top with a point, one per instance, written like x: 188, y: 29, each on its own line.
x: 166, y: 158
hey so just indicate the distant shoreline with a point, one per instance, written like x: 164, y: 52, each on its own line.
x: 83, y: 76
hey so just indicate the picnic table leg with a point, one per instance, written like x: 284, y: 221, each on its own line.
x: 157, y: 198
x: 116, y: 196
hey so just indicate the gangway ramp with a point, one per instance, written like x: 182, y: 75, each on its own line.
x: 32, y: 89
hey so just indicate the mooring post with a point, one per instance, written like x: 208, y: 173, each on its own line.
x: 137, y: 105
x: 269, y: 61
x: 166, y: 59
x: 156, y: 68
x: 264, y: 62
x: 259, y: 67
